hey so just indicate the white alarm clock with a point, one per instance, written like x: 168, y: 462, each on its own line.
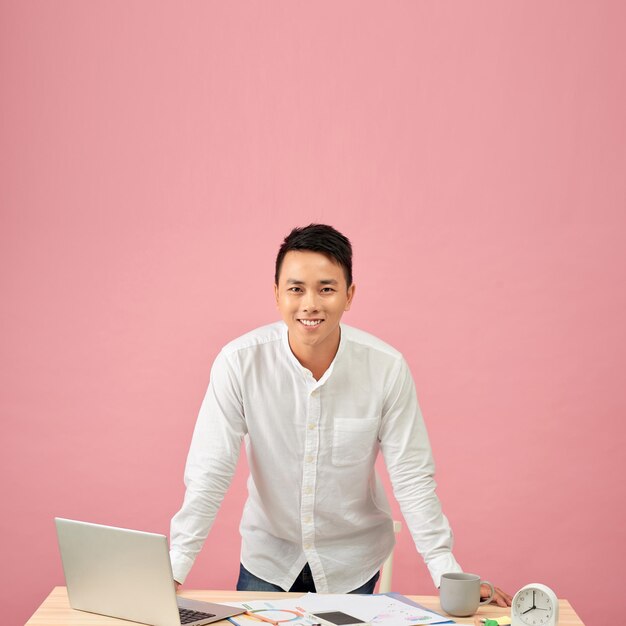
x: 535, y: 605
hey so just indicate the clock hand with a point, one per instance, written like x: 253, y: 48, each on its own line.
x: 532, y: 608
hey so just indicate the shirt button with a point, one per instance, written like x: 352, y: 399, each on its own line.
x: 307, y: 520
x: 308, y: 491
x: 311, y: 426
x: 307, y: 546
x: 309, y: 458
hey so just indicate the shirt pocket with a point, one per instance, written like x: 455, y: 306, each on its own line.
x: 353, y: 439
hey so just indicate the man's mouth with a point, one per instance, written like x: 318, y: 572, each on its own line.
x: 311, y: 323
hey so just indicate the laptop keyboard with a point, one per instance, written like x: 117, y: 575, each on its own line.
x: 187, y: 616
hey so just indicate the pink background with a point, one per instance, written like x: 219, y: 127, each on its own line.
x: 154, y: 155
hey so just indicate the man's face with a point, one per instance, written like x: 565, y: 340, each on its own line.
x: 311, y: 296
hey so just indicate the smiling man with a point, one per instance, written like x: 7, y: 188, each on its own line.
x: 315, y: 401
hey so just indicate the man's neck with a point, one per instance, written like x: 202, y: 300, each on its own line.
x: 316, y: 359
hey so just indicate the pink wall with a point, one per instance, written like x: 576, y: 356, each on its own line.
x: 153, y: 156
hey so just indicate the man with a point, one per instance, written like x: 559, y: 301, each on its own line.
x: 315, y: 401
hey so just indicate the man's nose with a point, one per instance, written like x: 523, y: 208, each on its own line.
x: 310, y: 302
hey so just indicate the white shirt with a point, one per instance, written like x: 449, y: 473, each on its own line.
x: 313, y: 493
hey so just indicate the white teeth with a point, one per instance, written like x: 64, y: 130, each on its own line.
x: 311, y: 322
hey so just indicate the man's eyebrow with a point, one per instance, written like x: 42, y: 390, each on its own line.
x: 325, y: 281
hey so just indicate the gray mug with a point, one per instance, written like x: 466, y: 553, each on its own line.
x: 459, y: 594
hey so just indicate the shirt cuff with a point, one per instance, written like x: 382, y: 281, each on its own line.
x: 442, y: 565
x: 181, y: 565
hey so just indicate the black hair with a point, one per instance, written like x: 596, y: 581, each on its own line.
x: 318, y: 238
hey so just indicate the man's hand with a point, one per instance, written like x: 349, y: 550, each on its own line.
x: 501, y: 598
x: 176, y: 585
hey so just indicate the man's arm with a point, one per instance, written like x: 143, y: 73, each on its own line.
x: 211, y: 464
x: 406, y: 448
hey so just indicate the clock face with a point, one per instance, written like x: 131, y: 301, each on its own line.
x: 533, y: 607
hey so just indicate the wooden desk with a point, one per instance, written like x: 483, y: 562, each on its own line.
x: 56, y: 611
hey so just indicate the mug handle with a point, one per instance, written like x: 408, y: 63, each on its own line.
x: 493, y: 592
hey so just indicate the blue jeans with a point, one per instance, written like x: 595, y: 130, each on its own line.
x: 304, y: 583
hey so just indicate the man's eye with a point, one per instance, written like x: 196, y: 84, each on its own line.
x: 294, y: 289
x: 328, y: 290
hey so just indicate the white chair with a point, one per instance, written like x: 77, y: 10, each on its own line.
x: 385, y: 572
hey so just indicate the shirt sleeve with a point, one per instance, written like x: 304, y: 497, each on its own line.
x: 211, y: 463
x: 406, y: 448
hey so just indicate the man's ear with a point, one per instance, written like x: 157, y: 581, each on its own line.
x: 276, y: 293
x: 351, y: 290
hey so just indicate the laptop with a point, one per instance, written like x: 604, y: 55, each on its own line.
x: 127, y: 574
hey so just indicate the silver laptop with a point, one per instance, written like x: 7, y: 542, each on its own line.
x: 127, y: 574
